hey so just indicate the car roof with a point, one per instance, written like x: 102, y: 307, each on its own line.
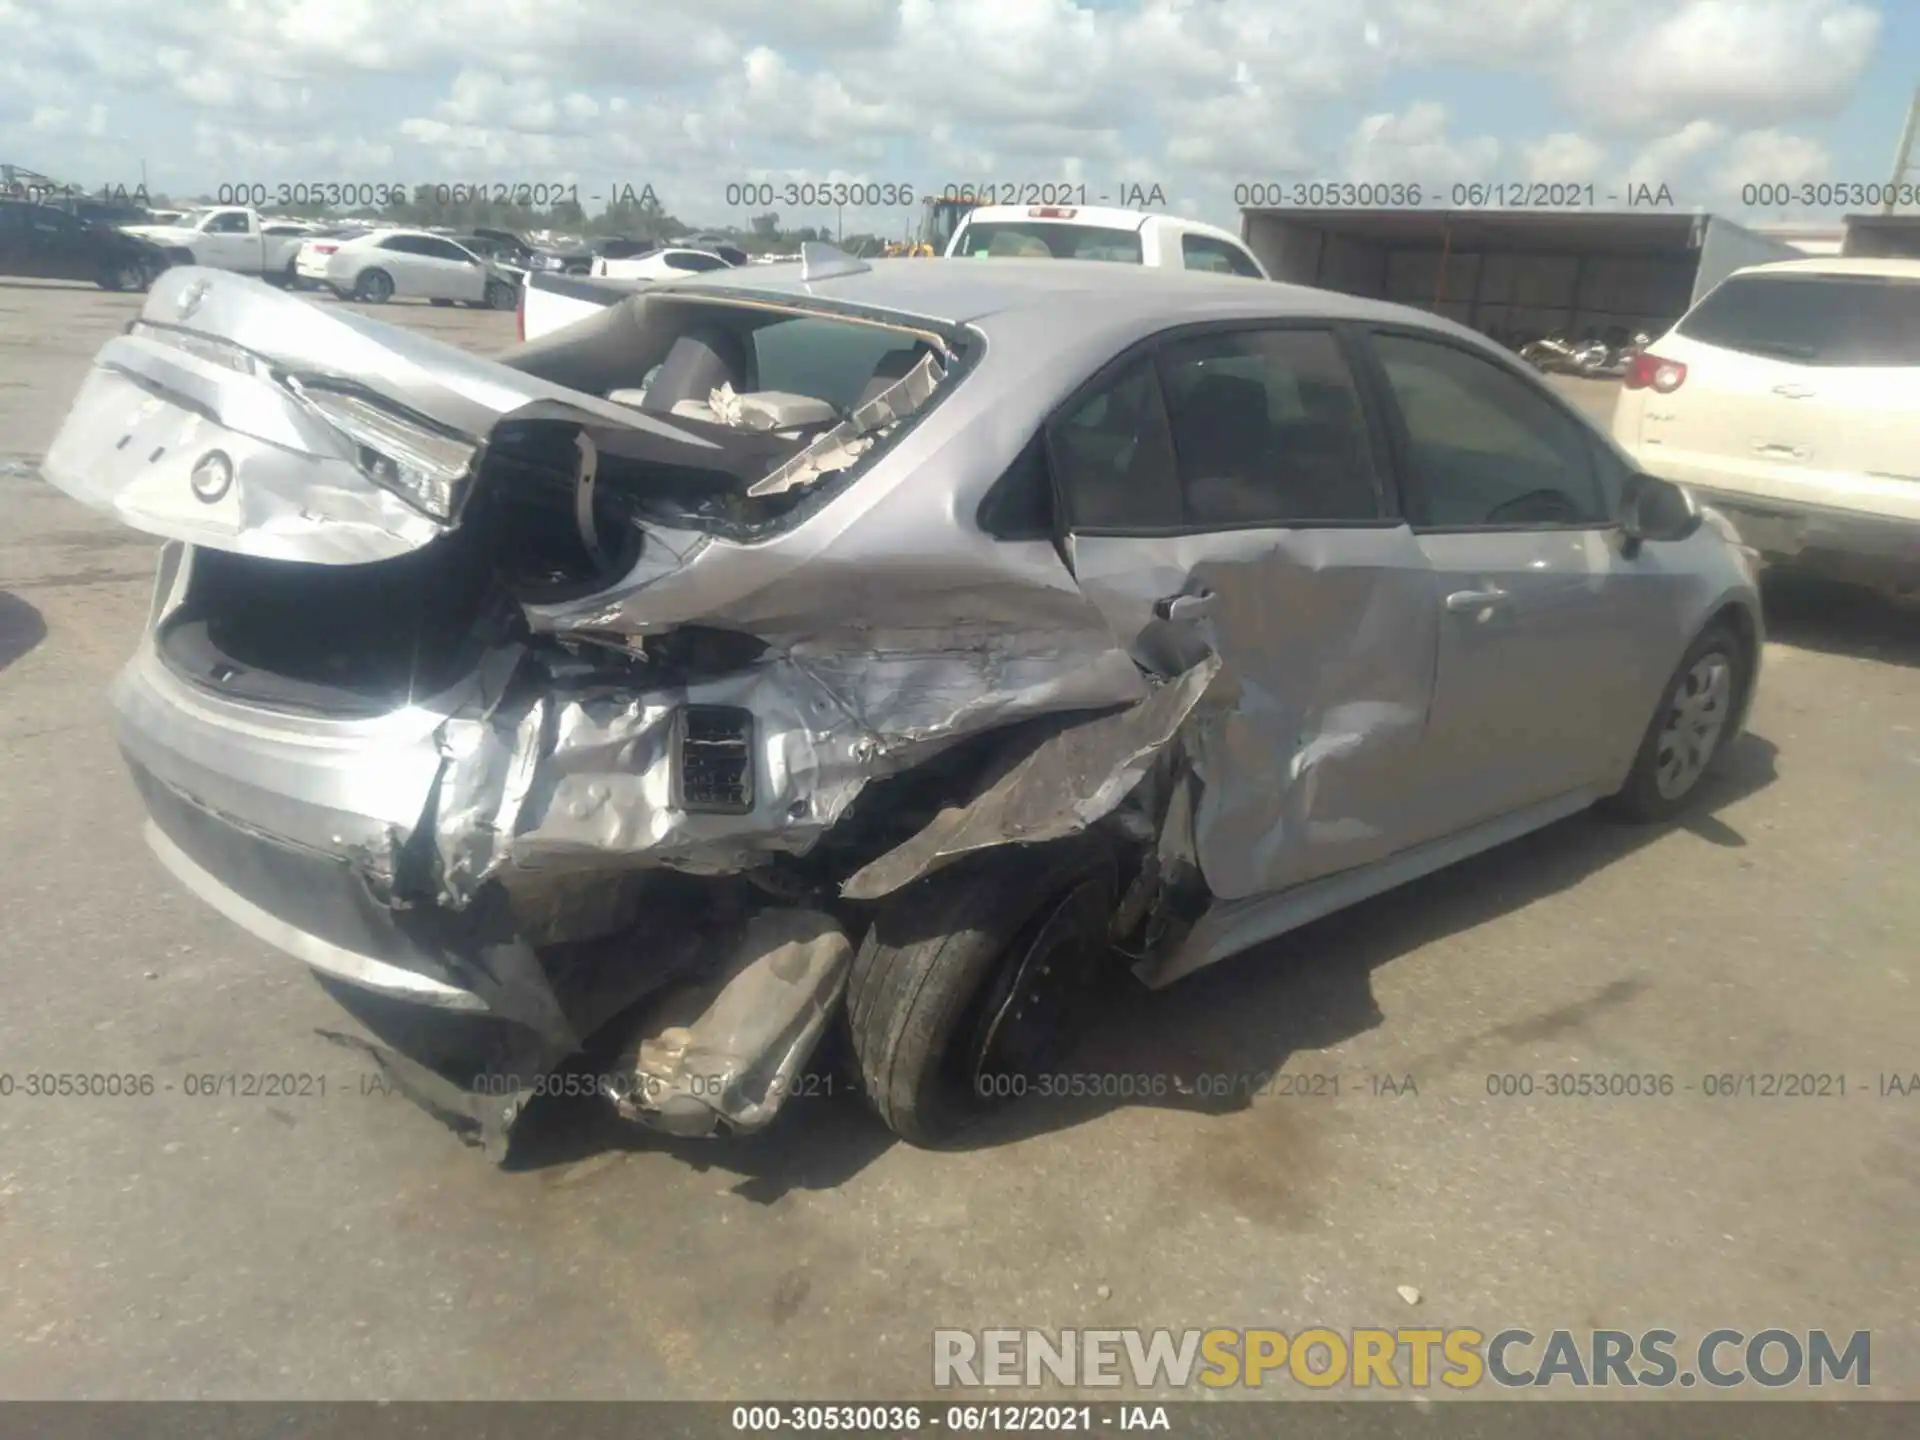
x: 1098, y: 217
x: 1889, y: 268
x: 962, y: 291
x: 387, y: 232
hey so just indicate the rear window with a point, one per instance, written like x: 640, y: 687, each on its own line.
x: 1040, y: 240
x: 832, y: 360
x: 1812, y: 320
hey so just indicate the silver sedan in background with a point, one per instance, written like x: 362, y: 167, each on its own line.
x: 887, y: 644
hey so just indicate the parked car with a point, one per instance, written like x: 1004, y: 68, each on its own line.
x: 1094, y: 232
x: 916, y: 640
x: 1789, y: 398
x: 718, y: 244
x: 230, y: 237
x: 500, y: 246
x: 397, y: 264
x: 662, y: 263
x: 43, y: 242
x: 574, y: 257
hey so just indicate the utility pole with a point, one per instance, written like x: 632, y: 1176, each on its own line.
x: 1903, y: 164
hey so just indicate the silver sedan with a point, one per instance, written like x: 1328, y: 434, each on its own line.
x: 898, y: 641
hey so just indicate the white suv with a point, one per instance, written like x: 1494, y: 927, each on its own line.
x: 1789, y: 400
x: 1099, y: 232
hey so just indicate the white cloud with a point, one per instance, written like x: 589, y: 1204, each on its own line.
x: 689, y: 95
x: 1763, y: 156
x: 1675, y: 157
x: 1653, y: 64
x: 1415, y: 146
x: 1562, y: 157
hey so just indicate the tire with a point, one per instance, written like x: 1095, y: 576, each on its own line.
x: 375, y: 287
x: 1659, y: 787
x: 118, y: 275
x: 578, y: 270
x: 951, y: 959
x: 502, y: 296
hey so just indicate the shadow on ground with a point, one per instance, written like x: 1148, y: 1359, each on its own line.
x: 1242, y: 1018
x: 21, y: 628
x: 1812, y: 613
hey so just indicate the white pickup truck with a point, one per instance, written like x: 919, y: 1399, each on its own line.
x: 230, y: 237
x: 1100, y: 232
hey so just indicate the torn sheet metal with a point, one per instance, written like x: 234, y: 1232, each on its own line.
x: 847, y: 441
x: 727, y: 1050
x: 214, y: 368
x: 565, y: 769
x: 1068, y: 782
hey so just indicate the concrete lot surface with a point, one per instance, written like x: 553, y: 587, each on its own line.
x: 181, y: 1245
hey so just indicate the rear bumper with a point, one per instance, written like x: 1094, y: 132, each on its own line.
x: 1796, y: 531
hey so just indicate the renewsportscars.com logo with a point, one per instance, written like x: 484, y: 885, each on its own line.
x: 1460, y: 1359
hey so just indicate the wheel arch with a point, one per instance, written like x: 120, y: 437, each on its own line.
x: 1742, y: 617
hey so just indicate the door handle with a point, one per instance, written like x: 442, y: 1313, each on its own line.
x: 1794, y: 392
x: 1185, y: 607
x: 1461, y: 600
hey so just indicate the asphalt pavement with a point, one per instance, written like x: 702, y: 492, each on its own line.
x: 181, y: 1244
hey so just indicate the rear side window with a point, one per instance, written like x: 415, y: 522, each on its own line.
x: 1268, y: 430
x: 693, y: 260
x: 1112, y: 455
x: 1812, y: 320
x: 1041, y: 240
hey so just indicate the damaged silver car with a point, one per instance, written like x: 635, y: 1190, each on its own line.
x: 887, y: 646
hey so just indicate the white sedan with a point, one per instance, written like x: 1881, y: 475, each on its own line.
x: 387, y: 265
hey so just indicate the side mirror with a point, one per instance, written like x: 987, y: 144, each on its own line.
x: 1656, y: 509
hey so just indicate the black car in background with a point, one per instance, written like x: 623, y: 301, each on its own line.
x: 576, y: 258
x: 43, y: 242
x: 501, y: 246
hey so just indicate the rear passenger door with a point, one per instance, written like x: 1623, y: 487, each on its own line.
x: 1222, y: 490
x: 1543, y: 682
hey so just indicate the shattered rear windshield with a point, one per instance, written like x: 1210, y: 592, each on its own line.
x: 769, y: 408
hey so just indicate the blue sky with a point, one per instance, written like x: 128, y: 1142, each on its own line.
x: 1194, y: 95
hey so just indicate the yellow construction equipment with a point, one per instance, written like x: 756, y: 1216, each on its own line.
x: 940, y: 217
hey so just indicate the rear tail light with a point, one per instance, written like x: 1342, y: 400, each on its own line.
x: 319, y: 249
x: 520, y: 311
x: 1052, y: 212
x: 1650, y: 372
x: 715, y: 770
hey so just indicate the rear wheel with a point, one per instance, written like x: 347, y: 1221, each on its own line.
x: 502, y: 296
x: 119, y: 275
x: 374, y: 286
x: 974, y: 980
x: 1690, y: 730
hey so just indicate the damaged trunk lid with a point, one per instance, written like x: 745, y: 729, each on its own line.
x: 237, y: 417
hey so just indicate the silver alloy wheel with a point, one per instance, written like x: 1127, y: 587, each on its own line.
x: 1701, y: 704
